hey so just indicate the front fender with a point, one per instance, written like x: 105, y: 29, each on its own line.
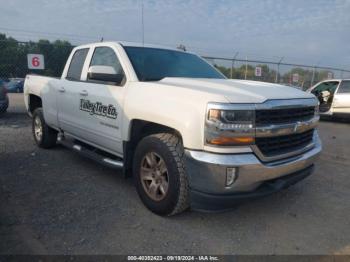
x: 178, y: 109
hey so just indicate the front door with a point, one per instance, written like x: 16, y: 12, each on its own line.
x: 101, y: 103
x: 325, y: 94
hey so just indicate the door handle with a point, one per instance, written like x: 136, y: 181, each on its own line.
x: 83, y: 93
x: 61, y: 89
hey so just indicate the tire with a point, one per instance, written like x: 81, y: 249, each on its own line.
x: 48, y: 136
x: 169, y: 148
x: 3, y: 109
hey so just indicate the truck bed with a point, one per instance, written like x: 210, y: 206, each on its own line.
x: 36, y: 85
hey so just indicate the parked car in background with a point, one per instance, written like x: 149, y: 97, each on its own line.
x: 4, y: 79
x: 334, y: 96
x: 15, y: 85
x: 4, y: 100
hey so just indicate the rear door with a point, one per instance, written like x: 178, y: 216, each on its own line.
x: 100, y: 103
x: 68, y: 94
x: 341, y: 102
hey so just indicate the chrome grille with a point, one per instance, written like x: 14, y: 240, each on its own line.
x: 279, y: 145
x: 283, y: 116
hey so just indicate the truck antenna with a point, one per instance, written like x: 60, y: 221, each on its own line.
x: 143, y: 25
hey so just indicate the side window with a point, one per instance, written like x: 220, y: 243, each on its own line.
x: 344, y: 87
x: 326, y: 86
x: 105, y: 56
x: 76, y: 64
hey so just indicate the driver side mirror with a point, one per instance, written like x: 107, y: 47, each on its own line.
x: 105, y: 74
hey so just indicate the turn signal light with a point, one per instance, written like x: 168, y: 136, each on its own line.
x: 228, y: 141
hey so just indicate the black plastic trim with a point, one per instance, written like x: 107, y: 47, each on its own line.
x: 213, y: 203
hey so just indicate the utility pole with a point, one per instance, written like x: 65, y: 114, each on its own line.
x: 246, y: 67
x: 313, y: 76
x: 233, y: 62
x: 278, y: 69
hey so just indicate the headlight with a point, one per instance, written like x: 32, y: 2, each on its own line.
x: 229, y: 127
x: 228, y: 119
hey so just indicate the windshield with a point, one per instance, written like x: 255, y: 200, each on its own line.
x: 153, y: 64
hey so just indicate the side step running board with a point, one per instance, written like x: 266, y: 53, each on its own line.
x: 105, y: 159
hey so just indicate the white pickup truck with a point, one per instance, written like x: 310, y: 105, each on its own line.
x: 188, y: 136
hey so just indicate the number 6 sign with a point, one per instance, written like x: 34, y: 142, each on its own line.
x: 35, y: 61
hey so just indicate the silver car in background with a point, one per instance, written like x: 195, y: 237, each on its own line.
x: 334, y: 97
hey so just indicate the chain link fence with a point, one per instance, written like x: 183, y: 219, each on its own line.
x: 14, y: 65
x: 301, y: 76
x: 14, y: 62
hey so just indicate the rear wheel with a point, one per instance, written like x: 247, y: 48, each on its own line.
x: 159, y: 174
x: 44, y: 136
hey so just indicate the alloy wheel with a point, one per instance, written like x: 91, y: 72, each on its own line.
x: 154, y: 176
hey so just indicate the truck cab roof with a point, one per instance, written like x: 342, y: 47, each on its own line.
x: 130, y: 44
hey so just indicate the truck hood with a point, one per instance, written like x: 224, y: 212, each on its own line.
x: 237, y: 91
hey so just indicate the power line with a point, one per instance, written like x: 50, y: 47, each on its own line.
x: 97, y: 38
x: 48, y: 33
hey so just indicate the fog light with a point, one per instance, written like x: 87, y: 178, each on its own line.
x: 231, y: 175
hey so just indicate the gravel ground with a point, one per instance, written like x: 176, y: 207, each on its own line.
x: 56, y: 202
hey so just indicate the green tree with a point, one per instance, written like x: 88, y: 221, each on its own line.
x: 13, y: 56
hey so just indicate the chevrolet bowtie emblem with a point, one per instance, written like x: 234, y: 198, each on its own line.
x: 297, y: 126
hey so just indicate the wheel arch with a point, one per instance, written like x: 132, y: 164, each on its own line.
x: 34, y: 102
x: 137, y: 131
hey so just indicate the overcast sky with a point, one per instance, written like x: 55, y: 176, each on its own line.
x: 305, y: 31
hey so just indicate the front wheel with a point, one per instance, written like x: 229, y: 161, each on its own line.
x: 159, y: 174
x: 44, y: 136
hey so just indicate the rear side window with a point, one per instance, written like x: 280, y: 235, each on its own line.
x: 77, y: 63
x: 344, y: 87
x: 105, y: 56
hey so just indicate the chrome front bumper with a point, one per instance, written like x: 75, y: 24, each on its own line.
x: 207, y: 171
